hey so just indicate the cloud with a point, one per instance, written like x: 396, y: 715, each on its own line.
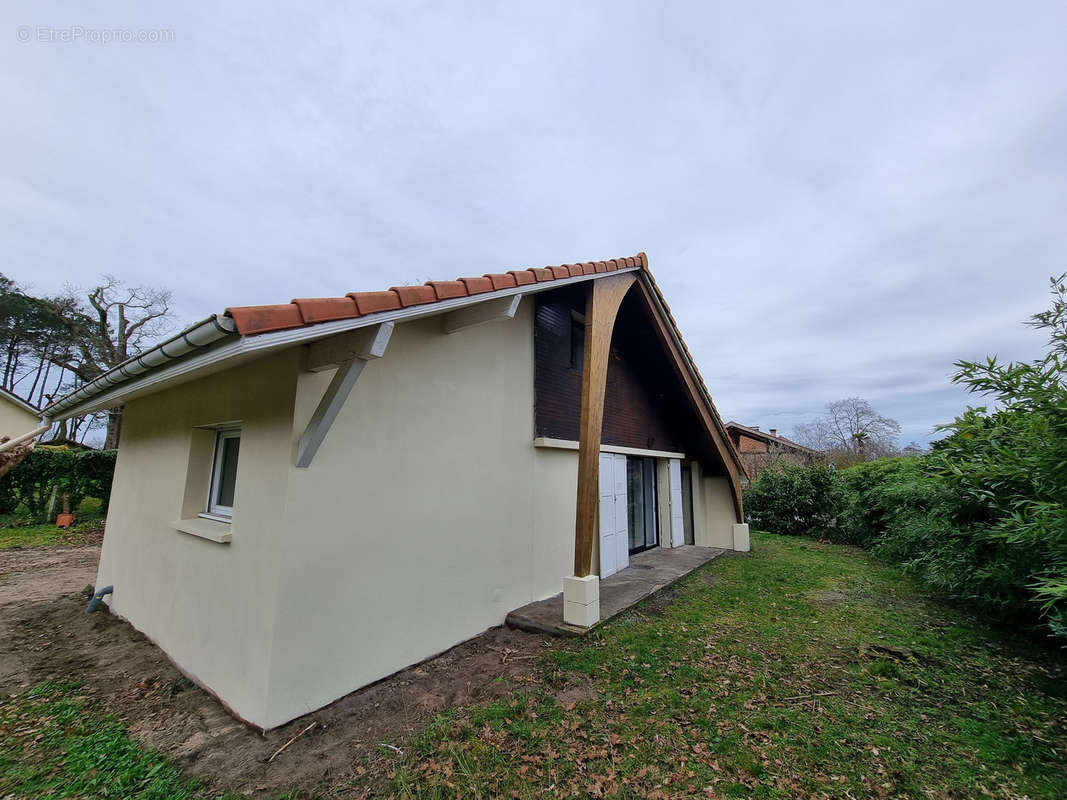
x: 839, y: 201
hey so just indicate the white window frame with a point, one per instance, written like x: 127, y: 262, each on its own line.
x: 214, y: 510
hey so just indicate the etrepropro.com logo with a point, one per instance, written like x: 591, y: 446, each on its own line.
x: 74, y: 34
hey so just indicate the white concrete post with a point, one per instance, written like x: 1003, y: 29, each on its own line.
x: 581, y: 600
x: 741, y: 543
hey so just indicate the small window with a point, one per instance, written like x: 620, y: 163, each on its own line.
x: 577, y: 344
x: 224, y: 474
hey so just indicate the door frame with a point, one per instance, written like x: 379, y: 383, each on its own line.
x: 654, y: 516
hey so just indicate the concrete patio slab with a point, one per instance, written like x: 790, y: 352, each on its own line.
x: 649, y: 572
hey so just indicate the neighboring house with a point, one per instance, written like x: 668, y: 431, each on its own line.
x: 760, y: 450
x: 16, y: 415
x: 311, y: 496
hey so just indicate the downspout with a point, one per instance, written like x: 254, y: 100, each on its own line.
x: 98, y: 599
x: 12, y: 443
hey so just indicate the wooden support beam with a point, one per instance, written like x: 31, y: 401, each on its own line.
x: 365, y: 343
x: 604, y: 297
x: 481, y: 313
x: 360, y: 350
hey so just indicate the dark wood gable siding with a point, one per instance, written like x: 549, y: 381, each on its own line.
x: 644, y: 406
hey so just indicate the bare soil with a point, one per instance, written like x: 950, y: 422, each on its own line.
x: 45, y: 634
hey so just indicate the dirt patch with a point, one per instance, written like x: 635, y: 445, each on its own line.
x: 830, y: 598
x: 45, y: 634
x: 657, y: 605
x: 578, y: 688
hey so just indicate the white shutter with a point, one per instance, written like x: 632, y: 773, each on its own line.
x: 614, y: 523
x: 608, y: 549
x: 622, y: 521
x: 674, y: 472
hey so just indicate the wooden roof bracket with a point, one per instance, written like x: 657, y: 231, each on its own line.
x: 349, y: 353
x: 481, y: 313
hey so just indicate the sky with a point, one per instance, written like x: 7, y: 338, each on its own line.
x: 837, y: 199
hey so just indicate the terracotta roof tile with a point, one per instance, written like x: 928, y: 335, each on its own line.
x: 448, y: 289
x: 369, y: 302
x: 263, y: 319
x: 523, y: 277
x: 502, y: 280
x: 414, y: 295
x: 478, y: 285
x: 325, y: 309
x: 252, y: 320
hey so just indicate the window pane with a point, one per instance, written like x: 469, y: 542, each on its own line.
x: 650, y: 501
x: 635, y: 503
x: 230, y: 445
x: 577, y: 344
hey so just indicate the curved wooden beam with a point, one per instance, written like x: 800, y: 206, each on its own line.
x: 602, y: 303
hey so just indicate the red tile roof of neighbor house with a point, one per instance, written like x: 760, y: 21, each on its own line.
x: 301, y: 312
x: 748, y: 430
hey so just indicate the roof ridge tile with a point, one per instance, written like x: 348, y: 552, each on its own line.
x: 370, y: 302
x: 302, y: 311
x: 446, y: 290
x: 502, y: 280
x: 477, y: 285
x: 414, y: 295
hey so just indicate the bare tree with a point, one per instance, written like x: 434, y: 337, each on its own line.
x: 113, y: 322
x: 851, y: 428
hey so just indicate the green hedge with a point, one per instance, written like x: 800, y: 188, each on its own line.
x: 808, y: 501
x: 76, y: 473
x: 999, y: 550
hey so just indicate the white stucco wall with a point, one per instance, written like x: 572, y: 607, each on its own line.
x: 555, y: 498
x: 210, y: 606
x: 425, y: 517
x: 719, y: 514
x: 15, y: 420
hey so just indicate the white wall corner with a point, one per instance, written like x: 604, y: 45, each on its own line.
x: 581, y: 600
x: 741, y: 542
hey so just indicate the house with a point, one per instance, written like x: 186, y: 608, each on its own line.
x: 311, y: 496
x: 760, y: 450
x: 16, y: 415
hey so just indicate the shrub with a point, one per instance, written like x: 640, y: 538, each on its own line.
x: 58, y: 470
x: 8, y: 499
x: 1007, y: 469
x: 790, y: 499
x: 95, y: 472
x: 887, y: 494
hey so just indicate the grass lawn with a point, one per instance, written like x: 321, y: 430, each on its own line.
x: 47, y: 535
x: 15, y: 533
x: 801, y: 670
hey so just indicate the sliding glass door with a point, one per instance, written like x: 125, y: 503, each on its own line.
x: 641, y: 502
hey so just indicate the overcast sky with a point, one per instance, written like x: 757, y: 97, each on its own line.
x: 835, y: 200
